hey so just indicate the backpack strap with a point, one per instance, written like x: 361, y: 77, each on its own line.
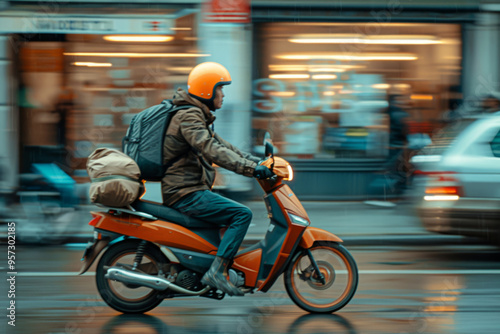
x: 174, y: 111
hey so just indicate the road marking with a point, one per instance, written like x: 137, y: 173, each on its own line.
x: 433, y: 272
x: 54, y: 274
x: 361, y: 272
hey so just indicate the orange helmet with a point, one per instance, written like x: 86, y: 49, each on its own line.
x: 204, y: 79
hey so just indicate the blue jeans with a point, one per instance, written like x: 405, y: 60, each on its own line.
x: 218, y: 210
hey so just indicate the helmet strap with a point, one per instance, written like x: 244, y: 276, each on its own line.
x: 208, y: 102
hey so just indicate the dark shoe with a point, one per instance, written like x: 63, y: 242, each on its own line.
x: 216, y: 277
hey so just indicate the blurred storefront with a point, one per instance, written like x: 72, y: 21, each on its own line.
x: 327, y: 89
x: 316, y: 76
x: 79, y: 78
x: 323, y: 75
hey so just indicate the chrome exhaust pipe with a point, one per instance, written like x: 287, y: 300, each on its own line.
x: 154, y: 282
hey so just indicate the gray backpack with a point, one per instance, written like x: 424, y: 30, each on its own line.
x: 144, y: 139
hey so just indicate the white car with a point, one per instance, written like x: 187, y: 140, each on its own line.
x: 460, y: 194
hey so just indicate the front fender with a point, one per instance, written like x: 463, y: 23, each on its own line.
x: 313, y: 234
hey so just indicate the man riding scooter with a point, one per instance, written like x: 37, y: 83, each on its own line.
x: 191, y: 146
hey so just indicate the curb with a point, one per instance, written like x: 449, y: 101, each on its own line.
x: 361, y: 240
x: 412, y: 240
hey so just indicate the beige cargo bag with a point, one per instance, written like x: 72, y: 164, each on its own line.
x: 114, y: 176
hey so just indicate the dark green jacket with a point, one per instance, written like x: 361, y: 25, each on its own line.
x: 190, y: 137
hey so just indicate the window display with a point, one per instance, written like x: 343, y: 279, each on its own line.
x: 323, y: 88
x: 80, y: 92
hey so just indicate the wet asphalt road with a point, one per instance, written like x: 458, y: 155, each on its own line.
x: 452, y: 289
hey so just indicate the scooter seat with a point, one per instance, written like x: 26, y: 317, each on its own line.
x: 171, y: 215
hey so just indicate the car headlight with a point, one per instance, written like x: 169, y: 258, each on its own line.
x: 298, y: 220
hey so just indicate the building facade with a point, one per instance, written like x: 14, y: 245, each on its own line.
x: 317, y: 76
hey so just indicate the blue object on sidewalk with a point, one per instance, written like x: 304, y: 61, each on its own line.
x: 60, y: 180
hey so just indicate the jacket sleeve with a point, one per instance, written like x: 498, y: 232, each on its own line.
x: 195, y: 132
x: 242, y: 154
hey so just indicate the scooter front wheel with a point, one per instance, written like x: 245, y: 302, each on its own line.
x: 123, y: 297
x: 339, y: 271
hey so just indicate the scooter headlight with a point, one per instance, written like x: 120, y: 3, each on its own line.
x: 290, y: 173
x: 298, y: 220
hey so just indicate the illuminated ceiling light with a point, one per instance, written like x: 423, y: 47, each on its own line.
x: 363, y: 39
x: 350, y: 57
x: 381, y: 86
x: 403, y: 41
x: 302, y: 67
x: 326, y: 41
x: 452, y: 41
x: 325, y: 38
x: 288, y: 68
x: 181, y: 28
x: 324, y: 77
x: 387, y: 58
x: 138, y: 38
x: 179, y: 69
x: 282, y: 94
x: 350, y: 67
x: 401, y: 86
x: 329, y: 93
x: 91, y: 64
x: 314, y: 68
x: 135, y: 55
x: 332, y: 69
x: 107, y: 89
x: 296, y: 68
x: 289, y: 76
x: 421, y: 97
x: 442, y: 198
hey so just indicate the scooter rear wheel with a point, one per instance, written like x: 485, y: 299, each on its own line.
x: 129, y: 298
x: 340, y: 273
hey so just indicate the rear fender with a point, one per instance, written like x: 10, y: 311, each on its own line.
x: 313, y: 234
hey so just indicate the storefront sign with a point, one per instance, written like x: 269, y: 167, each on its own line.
x: 73, y: 25
x: 227, y: 11
x: 82, y: 25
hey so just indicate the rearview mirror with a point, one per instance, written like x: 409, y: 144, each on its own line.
x: 268, y: 144
x: 269, y: 149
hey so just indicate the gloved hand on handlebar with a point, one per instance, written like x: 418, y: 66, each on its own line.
x: 262, y: 172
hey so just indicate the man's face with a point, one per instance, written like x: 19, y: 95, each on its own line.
x: 219, y: 96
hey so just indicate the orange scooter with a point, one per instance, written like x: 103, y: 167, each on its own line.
x: 154, y: 252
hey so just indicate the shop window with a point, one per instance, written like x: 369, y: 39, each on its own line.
x: 80, y: 91
x: 322, y: 89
